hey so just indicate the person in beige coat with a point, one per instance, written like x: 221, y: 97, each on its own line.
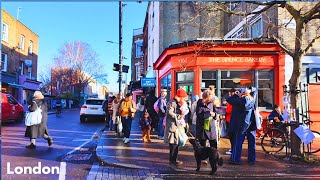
x: 173, y: 119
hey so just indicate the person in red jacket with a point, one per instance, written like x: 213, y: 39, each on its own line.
x: 228, y: 116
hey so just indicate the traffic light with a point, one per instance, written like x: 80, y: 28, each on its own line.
x: 116, y: 67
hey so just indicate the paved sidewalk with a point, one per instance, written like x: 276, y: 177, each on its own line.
x: 154, y: 156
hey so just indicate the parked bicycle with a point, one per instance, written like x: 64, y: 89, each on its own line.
x: 314, y: 145
x: 275, y: 138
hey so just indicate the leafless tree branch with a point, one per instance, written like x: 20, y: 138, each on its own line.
x: 311, y: 44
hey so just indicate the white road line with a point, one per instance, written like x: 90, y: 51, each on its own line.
x: 93, y: 172
x: 63, y: 170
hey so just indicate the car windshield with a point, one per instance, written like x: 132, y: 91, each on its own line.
x: 94, y: 102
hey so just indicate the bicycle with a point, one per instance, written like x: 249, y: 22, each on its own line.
x: 314, y: 145
x: 275, y: 139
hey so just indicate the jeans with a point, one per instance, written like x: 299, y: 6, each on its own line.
x: 174, y: 149
x: 126, y: 122
x: 160, y: 128
x: 237, y: 146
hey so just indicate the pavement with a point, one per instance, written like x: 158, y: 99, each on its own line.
x: 54, y: 111
x: 154, y: 156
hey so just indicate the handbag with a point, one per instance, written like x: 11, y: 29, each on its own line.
x: 224, y: 132
x: 34, y: 117
x: 183, y: 137
x: 258, y: 118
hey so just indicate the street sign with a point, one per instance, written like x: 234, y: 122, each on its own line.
x: 148, y: 82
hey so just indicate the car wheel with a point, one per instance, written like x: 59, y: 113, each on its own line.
x: 83, y: 119
x: 20, y: 117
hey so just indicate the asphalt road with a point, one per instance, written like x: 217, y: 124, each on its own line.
x: 73, y: 148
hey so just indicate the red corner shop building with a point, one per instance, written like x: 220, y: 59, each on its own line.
x: 194, y: 65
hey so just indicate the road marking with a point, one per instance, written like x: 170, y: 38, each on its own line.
x: 63, y: 170
x: 93, y: 172
x: 83, y: 144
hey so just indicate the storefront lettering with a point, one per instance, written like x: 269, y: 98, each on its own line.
x: 236, y: 59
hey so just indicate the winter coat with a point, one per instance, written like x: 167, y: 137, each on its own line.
x: 242, y: 114
x: 203, y: 112
x: 38, y: 130
x: 228, y: 112
x: 172, y: 116
x: 114, y: 112
x: 145, y: 123
x: 162, y: 104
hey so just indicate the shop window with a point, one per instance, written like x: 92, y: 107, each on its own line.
x: 313, y: 75
x: 208, y: 78
x: 235, y: 79
x: 165, y: 83
x: 185, y: 76
x: 265, y: 88
x: 139, y: 49
x: 4, y: 62
x: 22, y: 42
x: 30, y: 47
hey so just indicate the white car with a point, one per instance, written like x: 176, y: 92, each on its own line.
x: 92, y: 108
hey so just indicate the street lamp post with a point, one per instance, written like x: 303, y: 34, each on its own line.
x: 120, y: 47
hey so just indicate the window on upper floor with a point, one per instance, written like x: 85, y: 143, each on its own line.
x: 4, y: 62
x: 256, y: 28
x: 313, y: 75
x: 232, y: 6
x: 5, y: 32
x: 29, y: 72
x: 137, y: 71
x: 22, y: 68
x: 139, y: 45
x: 30, y: 47
x: 22, y: 42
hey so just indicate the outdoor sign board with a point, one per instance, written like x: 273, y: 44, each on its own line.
x: 148, y: 82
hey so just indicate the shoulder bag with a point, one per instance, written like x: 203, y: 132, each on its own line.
x: 34, y: 117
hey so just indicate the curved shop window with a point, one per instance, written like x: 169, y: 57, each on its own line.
x: 165, y: 83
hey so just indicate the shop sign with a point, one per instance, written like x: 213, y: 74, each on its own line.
x: 236, y: 59
x: 148, y: 82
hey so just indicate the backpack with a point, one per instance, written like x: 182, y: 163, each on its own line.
x: 156, y: 106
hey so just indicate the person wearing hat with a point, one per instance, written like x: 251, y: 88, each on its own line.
x: 38, y: 130
x: 242, y: 125
x: 162, y: 104
x: 173, y: 118
x: 127, y: 108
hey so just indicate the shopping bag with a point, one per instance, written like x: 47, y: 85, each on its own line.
x: 224, y: 132
x: 120, y: 127
x: 183, y: 138
x: 206, y: 125
x: 34, y: 117
x: 258, y: 118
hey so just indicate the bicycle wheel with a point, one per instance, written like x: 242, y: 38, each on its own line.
x: 314, y: 145
x: 273, y: 141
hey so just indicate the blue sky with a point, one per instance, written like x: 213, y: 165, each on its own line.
x: 91, y: 22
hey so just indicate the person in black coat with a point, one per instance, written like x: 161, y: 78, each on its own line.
x: 38, y: 130
x: 150, y: 100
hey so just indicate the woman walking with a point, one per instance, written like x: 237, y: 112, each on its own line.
x: 38, y: 130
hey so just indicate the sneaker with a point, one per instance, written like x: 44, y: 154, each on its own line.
x: 234, y: 162
x: 31, y: 146
x: 50, y: 141
x: 149, y: 141
x: 176, y: 163
x: 204, y: 162
x: 229, y: 152
x: 124, y: 139
x: 127, y: 141
x: 161, y: 138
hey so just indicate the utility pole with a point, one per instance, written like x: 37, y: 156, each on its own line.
x: 120, y: 47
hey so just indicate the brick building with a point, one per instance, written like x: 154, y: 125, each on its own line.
x: 19, y: 59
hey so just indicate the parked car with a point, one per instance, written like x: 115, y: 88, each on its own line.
x: 92, y: 108
x: 11, y: 109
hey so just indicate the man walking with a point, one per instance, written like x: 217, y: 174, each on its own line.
x: 127, y: 108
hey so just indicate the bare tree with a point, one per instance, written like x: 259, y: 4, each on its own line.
x: 79, y: 58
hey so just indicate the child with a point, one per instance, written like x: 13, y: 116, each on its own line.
x: 145, y: 123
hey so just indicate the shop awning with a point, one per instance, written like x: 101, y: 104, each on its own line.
x: 15, y: 85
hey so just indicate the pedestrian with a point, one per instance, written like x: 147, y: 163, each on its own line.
x: 162, y: 104
x: 145, y: 123
x: 105, y: 109
x: 110, y: 111
x: 242, y: 125
x: 115, y: 116
x: 228, y: 119
x: 38, y: 130
x: 140, y: 108
x: 206, y: 121
x: 173, y: 116
x: 127, y: 109
x: 194, y: 114
x: 150, y: 100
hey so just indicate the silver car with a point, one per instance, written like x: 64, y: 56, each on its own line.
x: 92, y: 108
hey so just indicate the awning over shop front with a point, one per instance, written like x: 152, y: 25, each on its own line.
x: 15, y: 85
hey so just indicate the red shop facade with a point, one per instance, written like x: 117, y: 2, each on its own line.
x: 194, y: 65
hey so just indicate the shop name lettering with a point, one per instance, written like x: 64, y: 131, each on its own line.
x: 237, y: 59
